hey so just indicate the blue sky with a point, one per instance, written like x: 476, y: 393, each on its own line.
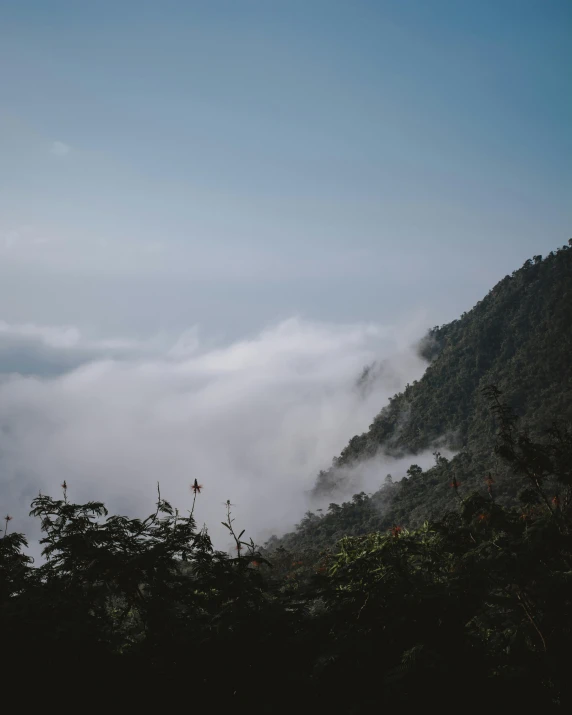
x: 229, y: 164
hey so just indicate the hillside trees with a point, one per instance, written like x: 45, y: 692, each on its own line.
x: 476, y: 605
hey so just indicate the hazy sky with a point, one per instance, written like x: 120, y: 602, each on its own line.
x: 233, y: 163
x: 180, y: 180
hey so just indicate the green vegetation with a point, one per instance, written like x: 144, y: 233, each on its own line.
x: 451, y: 588
x: 519, y: 338
x: 475, y: 605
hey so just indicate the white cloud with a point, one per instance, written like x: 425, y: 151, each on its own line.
x: 46, y: 351
x: 58, y: 148
x: 254, y: 421
x: 56, y: 337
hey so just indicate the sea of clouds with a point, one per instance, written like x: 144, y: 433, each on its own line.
x: 254, y: 420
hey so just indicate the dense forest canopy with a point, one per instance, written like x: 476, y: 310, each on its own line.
x: 519, y: 338
x: 449, y: 588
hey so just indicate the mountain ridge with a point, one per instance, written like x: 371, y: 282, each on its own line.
x: 518, y: 338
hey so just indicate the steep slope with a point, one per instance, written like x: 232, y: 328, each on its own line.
x: 519, y: 338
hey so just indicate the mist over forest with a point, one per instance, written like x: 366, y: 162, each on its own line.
x: 285, y: 340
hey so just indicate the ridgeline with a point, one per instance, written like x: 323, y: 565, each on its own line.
x: 519, y: 339
x: 450, y: 588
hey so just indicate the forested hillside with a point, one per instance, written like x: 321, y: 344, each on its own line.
x: 518, y: 338
x: 472, y: 610
x: 450, y: 587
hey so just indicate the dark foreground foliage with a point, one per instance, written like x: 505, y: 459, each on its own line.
x: 471, y: 612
